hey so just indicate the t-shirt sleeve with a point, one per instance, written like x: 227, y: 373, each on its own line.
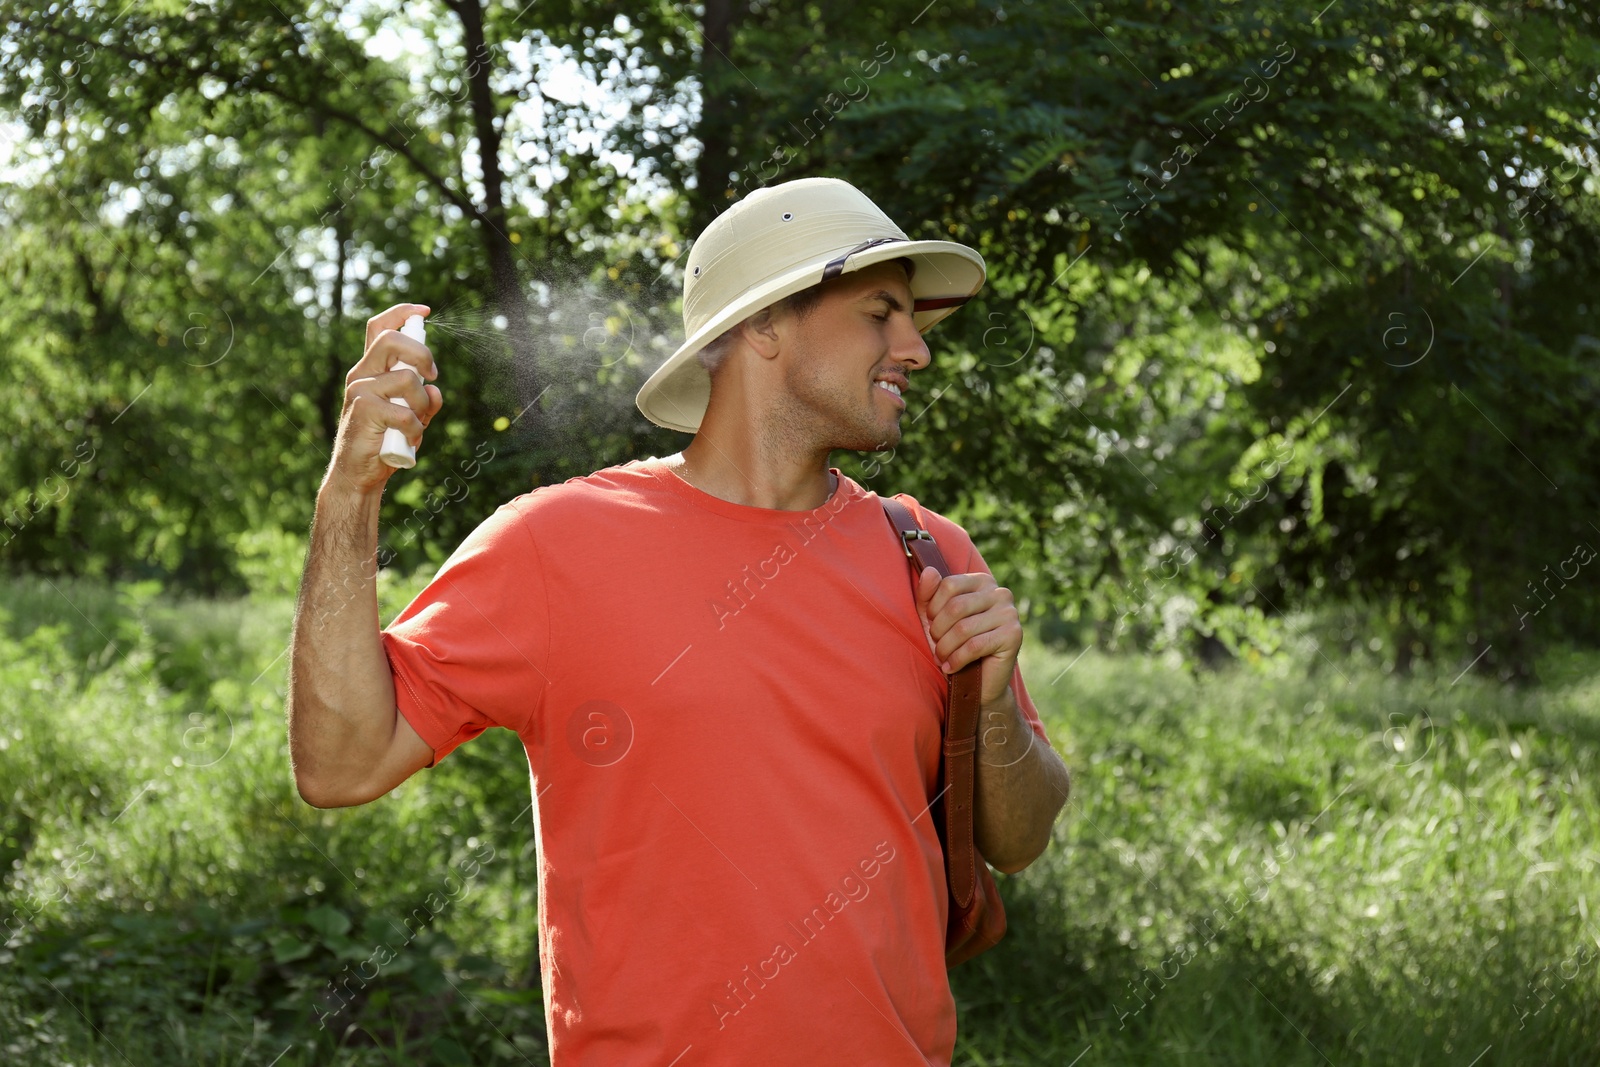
x: 963, y: 557
x: 472, y: 649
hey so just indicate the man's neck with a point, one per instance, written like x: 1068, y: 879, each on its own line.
x: 751, y: 479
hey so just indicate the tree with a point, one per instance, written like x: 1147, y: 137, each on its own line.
x: 1211, y: 217
x: 283, y: 178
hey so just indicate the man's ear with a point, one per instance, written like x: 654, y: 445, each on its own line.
x: 761, y: 331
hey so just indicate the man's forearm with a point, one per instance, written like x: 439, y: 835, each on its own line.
x: 1020, y: 788
x: 341, y: 694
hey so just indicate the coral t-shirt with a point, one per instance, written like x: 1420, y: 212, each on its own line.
x: 732, y: 719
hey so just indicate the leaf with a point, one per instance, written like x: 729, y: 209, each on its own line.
x: 286, y: 948
x: 328, y: 921
x: 447, y: 1051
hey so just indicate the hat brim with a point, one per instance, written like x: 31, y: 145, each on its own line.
x: 947, y: 275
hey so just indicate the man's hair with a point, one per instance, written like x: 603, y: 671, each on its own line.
x: 800, y: 304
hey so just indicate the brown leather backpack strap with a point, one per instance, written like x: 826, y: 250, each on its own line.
x: 961, y: 720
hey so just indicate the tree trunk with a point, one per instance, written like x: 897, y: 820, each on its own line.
x: 1522, y: 647
x: 716, y: 112
x: 329, y: 403
x: 510, y: 297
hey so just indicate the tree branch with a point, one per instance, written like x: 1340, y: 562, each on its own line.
x: 384, y: 138
x: 246, y: 81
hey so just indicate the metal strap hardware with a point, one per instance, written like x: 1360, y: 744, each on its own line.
x: 835, y: 267
x: 908, y: 536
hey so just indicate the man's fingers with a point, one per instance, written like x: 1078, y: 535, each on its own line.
x: 435, y: 402
x: 370, y: 414
x: 927, y: 585
x: 959, y: 612
x: 388, y: 348
x: 950, y: 634
x: 953, y: 603
x: 972, y: 618
x: 972, y: 628
x: 999, y: 635
x: 392, y: 318
x: 399, y: 384
x: 951, y: 586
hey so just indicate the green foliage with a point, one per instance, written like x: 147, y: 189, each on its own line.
x: 1397, y: 866
x: 1313, y: 861
x: 1225, y: 224
x: 161, y: 869
x: 1286, y: 360
x: 238, y: 190
x: 1364, y: 233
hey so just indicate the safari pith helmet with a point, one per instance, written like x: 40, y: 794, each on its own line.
x: 775, y: 242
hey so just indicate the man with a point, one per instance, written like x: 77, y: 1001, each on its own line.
x: 728, y: 683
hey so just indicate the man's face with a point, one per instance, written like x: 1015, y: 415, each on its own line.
x: 837, y: 361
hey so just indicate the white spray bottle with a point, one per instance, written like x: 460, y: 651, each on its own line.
x: 396, y: 450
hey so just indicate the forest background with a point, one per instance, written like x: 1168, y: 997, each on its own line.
x: 1285, y: 364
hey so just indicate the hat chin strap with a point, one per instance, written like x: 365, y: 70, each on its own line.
x: 835, y: 267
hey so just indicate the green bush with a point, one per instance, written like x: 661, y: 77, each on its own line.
x: 1265, y: 865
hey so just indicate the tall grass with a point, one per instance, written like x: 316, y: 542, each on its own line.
x: 1309, y: 862
x: 1317, y: 863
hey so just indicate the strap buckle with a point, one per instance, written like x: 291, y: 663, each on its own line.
x: 907, y: 536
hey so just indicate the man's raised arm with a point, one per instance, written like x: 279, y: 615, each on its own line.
x: 348, y: 742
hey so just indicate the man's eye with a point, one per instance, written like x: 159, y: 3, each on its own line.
x: 882, y: 318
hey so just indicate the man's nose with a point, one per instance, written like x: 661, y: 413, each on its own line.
x: 907, y: 346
